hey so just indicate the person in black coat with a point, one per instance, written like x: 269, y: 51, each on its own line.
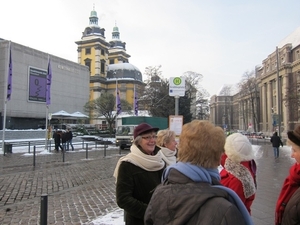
x: 69, y: 139
x: 276, y: 142
x: 57, y: 137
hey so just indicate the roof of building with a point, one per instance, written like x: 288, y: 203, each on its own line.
x: 293, y: 38
x: 124, y: 70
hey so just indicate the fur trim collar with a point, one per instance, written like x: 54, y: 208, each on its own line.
x: 243, y: 175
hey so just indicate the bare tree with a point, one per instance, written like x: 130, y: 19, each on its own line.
x: 292, y: 98
x: 249, y: 92
x: 104, y: 106
x: 226, y: 92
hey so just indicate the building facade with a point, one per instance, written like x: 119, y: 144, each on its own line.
x: 274, y: 104
x: 108, y: 63
x: 27, y: 106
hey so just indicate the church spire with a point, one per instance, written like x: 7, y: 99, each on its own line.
x: 116, y: 33
x: 93, y: 17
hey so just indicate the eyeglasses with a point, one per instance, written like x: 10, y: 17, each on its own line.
x: 148, y: 138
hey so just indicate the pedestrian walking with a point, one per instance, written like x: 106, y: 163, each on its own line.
x: 69, y: 139
x: 64, y: 140
x: 288, y: 203
x: 191, y: 192
x: 239, y: 168
x: 276, y: 142
x: 138, y: 173
x: 57, y: 140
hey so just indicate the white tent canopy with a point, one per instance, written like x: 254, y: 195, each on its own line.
x: 60, y: 114
x: 79, y: 115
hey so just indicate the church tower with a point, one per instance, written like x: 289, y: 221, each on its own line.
x: 108, y: 63
x: 93, y: 52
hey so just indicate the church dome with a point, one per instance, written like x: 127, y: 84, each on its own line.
x: 124, y: 71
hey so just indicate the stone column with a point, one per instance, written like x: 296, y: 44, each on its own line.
x: 269, y: 107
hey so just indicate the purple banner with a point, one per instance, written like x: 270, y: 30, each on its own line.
x: 48, y: 87
x: 9, y: 80
x: 119, y: 108
x: 135, y: 104
x: 37, y: 84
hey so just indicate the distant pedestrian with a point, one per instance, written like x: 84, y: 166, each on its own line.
x: 69, y: 139
x: 276, y: 142
x: 64, y: 140
x: 288, y: 203
x: 239, y: 171
x: 191, y: 192
x: 57, y: 140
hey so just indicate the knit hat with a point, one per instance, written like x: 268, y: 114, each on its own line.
x: 143, y: 128
x: 238, y: 148
x: 294, y: 135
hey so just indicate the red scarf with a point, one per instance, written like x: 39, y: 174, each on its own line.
x: 290, y: 185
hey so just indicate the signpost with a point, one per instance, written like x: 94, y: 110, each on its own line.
x: 176, y: 89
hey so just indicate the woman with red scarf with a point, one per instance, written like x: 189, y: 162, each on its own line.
x: 288, y: 204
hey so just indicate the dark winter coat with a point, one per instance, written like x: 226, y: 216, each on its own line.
x: 57, y: 138
x: 134, y: 189
x: 183, y: 201
x: 291, y: 214
x: 276, y: 141
x: 69, y: 135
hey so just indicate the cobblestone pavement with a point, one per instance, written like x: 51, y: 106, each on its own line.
x: 81, y: 188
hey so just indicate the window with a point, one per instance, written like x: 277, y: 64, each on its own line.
x: 88, y: 64
x: 102, y: 52
x: 88, y: 51
x: 102, y: 67
x: 111, y: 61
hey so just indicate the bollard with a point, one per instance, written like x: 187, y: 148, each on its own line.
x: 82, y: 144
x: 86, y: 151
x: 44, y: 209
x: 34, y: 156
x: 104, y: 149
x: 63, y: 155
x: 29, y: 147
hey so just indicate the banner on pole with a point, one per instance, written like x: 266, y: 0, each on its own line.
x: 119, y: 108
x: 48, y: 86
x: 135, y: 105
x: 9, y: 80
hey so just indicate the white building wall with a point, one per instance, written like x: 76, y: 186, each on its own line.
x: 69, y: 87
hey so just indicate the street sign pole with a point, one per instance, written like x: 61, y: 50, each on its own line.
x: 176, y: 105
x: 176, y: 89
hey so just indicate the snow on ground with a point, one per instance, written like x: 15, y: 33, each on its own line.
x: 114, y: 218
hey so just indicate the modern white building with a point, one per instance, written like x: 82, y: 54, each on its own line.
x: 27, y: 106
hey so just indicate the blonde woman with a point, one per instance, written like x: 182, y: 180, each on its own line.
x: 167, y: 143
x: 190, y: 192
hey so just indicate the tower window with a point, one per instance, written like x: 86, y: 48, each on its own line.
x: 88, y: 51
x: 102, y: 67
x: 88, y: 64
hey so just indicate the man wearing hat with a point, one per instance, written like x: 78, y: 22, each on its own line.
x: 288, y: 203
x: 138, y: 173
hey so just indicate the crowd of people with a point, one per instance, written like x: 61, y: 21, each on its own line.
x: 164, y: 181
x: 63, y: 140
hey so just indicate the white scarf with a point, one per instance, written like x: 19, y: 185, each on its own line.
x: 242, y: 174
x: 142, y: 160
x: 168, y: 155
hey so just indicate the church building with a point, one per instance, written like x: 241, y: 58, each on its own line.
x: 108, y: 63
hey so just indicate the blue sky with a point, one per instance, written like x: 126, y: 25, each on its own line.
x: 219, y: 39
